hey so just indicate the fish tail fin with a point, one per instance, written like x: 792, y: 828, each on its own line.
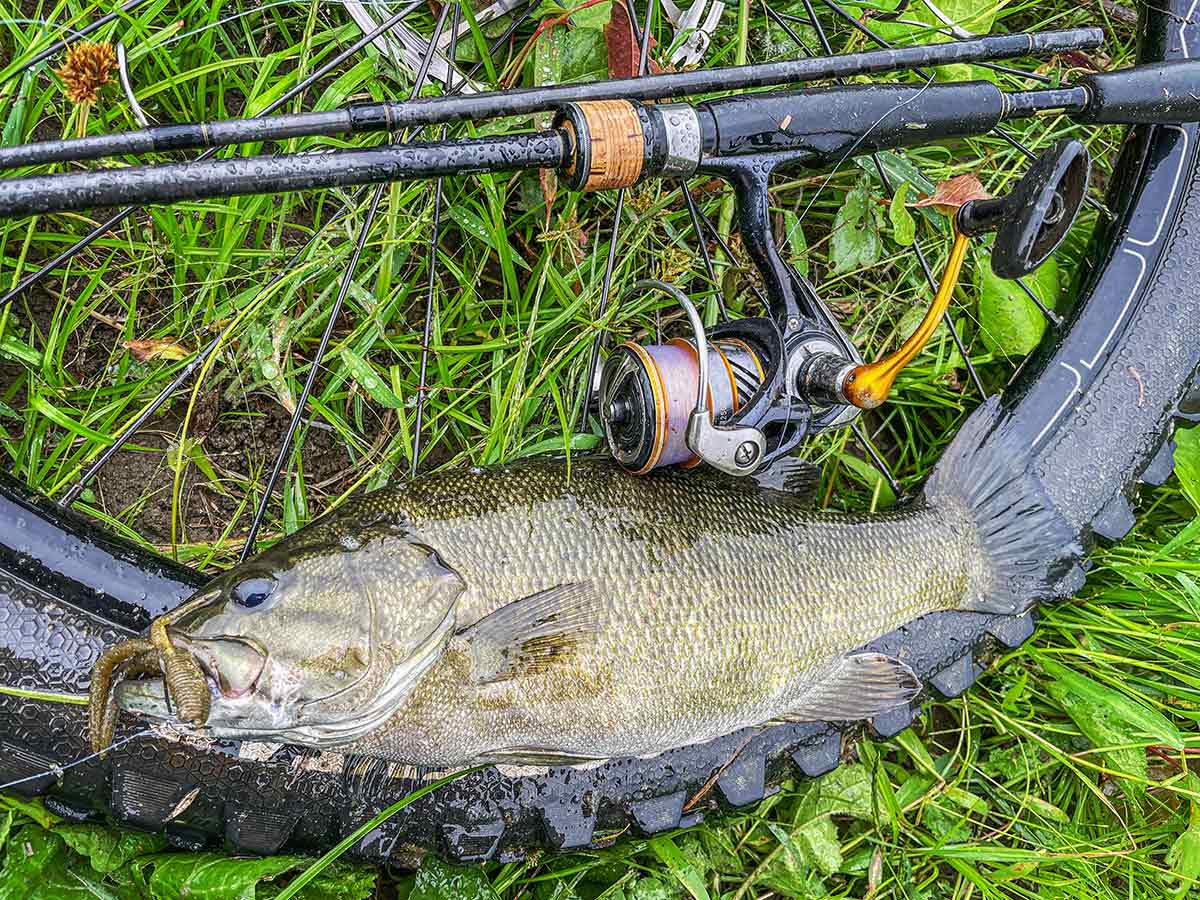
x: 1026, y: 542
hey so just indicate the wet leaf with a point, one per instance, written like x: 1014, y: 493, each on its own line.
x: 270, y: 348
x: 438, y: 881
x: 949, y: 195
x: 684, y: 870
x: 14, y: 126
x: 1111, y: 722
x: 1009, y: 321
x: 158, y: 348
x: 904, y: 227
x: 369, y: 380
x: 797, y: 244
x: 584, y: 56
x: 856, y: 240
x: 624, y: 54
x: 1187, y: 463
x: 547, y: 69
x: 107, y: 849
x: 38, y: 865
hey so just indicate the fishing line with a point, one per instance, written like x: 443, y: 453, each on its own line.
x: 57, y: 771
x: 859, y: 141
x: 47, y: 696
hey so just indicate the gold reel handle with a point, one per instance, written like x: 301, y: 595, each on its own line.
x: 867, y: 386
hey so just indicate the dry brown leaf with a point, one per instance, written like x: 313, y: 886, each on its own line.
x: 950, y: 195
x: 158, y: 348
x: 624, y: 54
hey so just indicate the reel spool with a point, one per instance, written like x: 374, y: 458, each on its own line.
x: 677, y: 403
x: 648, y: 395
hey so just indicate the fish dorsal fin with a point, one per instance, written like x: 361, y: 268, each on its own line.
x: 859, y: 686
x: 790, y: 479
x: 529, y: 634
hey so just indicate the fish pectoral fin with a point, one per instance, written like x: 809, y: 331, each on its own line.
x: 530, y: 634
x: 860, y: 686
x: 536, y: 756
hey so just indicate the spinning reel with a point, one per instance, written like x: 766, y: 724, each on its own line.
x: 746, y: 392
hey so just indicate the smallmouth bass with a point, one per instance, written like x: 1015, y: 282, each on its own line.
x: 540, y: 612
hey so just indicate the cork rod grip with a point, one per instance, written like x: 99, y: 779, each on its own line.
x: 608, y: 143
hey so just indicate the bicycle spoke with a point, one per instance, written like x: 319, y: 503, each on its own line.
x: 109, y: 224
x: 877, y: 459
x: 695, y: 214
x: 435, y: 233
x: 611, y: 262
x: 334, y: 313
x: 1045, y: 310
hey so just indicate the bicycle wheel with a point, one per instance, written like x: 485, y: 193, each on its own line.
x: 1095, y: 403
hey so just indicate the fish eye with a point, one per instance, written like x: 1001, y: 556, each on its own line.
x: 251, y: 593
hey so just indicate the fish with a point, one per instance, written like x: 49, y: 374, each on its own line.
x: 555, y: 612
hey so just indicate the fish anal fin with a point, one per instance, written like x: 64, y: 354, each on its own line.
x: 529, y: 635
x: 860, y: 686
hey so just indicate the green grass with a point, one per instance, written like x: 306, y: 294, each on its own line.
x: 1018, y: 789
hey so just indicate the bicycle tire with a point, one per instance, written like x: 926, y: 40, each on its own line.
x: 1095, y: 406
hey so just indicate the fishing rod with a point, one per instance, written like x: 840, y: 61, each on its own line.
x: 616, y: 143
x: 398, y: 115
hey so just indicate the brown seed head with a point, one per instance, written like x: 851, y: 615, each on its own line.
x: 86, y: 67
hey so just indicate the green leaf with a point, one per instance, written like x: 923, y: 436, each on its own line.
x: 685, y: 872
x: 856, y: 242
x: 796, y: 241
x: 1111, y: 722
x: 872, y: 477
x: 805, y: 852
x: 1010, y: 322
x: 904, y: 227
x: 438, y: 881
x: 34, y: 809
x: 593, y: 16
x: 1187, y: 463
x: 38, y: 865
x: 106, y: 848
x: 898, y: 169
x: 369, y: 380
x: 584, y: 54
x: 1183, y: 857
x: 14, y: 126
x: 718, y: 843
x: 1141, y: 720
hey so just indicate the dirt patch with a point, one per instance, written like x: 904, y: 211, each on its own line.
x: 239, y: 442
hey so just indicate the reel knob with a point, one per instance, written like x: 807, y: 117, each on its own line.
x: 1032, y: 220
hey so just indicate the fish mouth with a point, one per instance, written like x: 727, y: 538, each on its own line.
x: 231, y: 665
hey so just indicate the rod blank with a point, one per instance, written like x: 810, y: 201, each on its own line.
x: 397, y: 115
x: 173, y: 182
